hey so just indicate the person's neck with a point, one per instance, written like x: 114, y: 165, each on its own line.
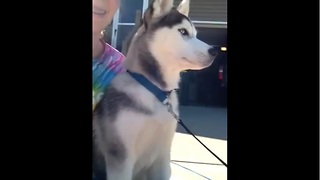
x: 97, y: 46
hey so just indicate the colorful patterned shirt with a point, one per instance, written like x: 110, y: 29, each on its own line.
x: 104, y: 69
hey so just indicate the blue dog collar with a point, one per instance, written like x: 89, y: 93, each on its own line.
x: 161, y: 95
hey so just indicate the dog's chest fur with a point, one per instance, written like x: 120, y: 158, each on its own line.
x: 130, y: 119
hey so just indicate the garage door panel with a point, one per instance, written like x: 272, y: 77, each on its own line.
x: 207, y: 10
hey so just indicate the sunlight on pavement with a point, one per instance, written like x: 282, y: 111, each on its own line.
x: 187, y: 153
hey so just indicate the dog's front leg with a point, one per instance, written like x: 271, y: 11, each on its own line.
x: 161, y: 169
x: 121, y: 171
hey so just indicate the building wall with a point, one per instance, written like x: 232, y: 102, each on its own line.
x: 126, y: 20
x: 207, y: 10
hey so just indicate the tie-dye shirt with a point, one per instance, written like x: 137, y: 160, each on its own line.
x: 104, y: 69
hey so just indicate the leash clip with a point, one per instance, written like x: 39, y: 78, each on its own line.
x: 170, y: 109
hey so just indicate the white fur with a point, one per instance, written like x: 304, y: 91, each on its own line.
x: 191, y: 54
x: 148, y: 138
x: 183, y: 7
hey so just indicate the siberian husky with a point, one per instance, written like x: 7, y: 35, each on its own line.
x: 133, y: 130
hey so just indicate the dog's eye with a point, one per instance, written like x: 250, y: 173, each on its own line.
x: 183, y: 31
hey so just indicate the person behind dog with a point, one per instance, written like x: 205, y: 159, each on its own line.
x: 106, y: 60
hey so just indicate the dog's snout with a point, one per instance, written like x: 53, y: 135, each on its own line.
x: 213, y: 51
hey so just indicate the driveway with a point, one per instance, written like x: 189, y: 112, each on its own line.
x: 190, y: 160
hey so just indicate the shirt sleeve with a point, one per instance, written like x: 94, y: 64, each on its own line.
x: 104, y: 70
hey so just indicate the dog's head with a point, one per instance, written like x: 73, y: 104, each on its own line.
x: 171, y: 37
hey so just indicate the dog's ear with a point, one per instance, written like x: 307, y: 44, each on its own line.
x: 161, y: 7
x: 157, y: 8
x: 183, y: 7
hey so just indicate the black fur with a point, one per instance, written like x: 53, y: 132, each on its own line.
x: 151, y: 67
x: 169, y: 20
x: 98, y: 163
x: 105, y: 114
x: 113, y: 100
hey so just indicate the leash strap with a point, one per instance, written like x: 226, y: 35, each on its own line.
x: 188, y: 130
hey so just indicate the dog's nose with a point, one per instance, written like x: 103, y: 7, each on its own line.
x: 214, y: 50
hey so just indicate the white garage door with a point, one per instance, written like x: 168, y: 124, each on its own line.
x: 208, y: 13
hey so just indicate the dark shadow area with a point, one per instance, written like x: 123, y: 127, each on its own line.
x: 208, y: 122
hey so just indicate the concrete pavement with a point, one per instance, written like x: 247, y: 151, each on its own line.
x: 190, y: 160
